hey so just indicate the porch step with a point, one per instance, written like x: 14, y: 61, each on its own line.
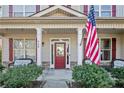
x: 55, y: 84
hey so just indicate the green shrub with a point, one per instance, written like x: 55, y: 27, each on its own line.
x: 1, y: 67
x: 107, y: 68
x: 119, y: 83
x: 118, y: 73
x: 20, y: 76
x: 0, y: 56
x: 92, y: 76
x: 1, y: 79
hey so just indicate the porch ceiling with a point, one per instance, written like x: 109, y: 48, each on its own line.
x: 19, y: 31
x: 110, y: 30
x: 60, y: 31
x: 33, y: 31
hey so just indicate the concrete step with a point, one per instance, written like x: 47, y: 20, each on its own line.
x: 55, y: 84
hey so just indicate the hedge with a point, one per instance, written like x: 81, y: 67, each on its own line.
x: 1, y: 67
x: 92, y: 76
x: 20, y: 76
x: 118, y: 74
x: 0, y: 55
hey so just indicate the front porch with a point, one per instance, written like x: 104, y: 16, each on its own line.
x: 26, y: 43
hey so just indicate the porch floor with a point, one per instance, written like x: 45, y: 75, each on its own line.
x: 56, y: 78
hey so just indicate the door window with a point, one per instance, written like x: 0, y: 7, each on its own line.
x: 59, y: 49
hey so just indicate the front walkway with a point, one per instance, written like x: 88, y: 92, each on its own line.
x: 56, y: 78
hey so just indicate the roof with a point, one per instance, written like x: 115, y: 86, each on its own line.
x: 74, y: 12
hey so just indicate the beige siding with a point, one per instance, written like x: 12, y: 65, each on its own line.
x: 122, y: 46
x: 118, y: 47
x: 5, y: 49
x: 21, y: 36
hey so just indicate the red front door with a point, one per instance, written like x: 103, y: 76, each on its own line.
x: 60, y: 55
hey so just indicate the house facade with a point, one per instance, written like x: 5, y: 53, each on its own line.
x: 52, y: 35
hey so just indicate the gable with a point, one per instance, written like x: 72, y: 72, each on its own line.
x: 58, y: 11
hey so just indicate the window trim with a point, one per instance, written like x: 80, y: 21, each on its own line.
x: 106, y: 49
x: 24, y: 54
x: 100, y: 11
x: 105, y: 11
x: 1, y: 9
x: 18, y: 49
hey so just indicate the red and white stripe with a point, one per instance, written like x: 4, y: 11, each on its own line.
x: 92, y: 50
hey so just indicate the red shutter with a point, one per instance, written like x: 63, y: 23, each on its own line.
x: 10, y: 50
x: 37, y: 8
x: 113, y: 48
x: 10, y: 10
x: 86, y: 9
x: 113, y: 10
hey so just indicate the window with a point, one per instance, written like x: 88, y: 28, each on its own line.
x: 0, y: 11
x: 21, y: 10
x: 59, y: 50
x: 18, y: 10
x: 24, y: 48
x: 106, y: 10
x: 29, y: 9
x: 96, y: 8
x: 18, y: 49
x: 103, y: 10
x: 30, y: 50
x: 106, y: 49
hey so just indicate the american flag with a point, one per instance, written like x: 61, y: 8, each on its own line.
x: 92, y: 50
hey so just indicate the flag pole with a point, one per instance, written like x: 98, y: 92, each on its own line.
x: 82, y: 38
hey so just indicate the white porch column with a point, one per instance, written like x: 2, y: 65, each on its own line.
x: 39, y: 46
x: 79, y: 46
